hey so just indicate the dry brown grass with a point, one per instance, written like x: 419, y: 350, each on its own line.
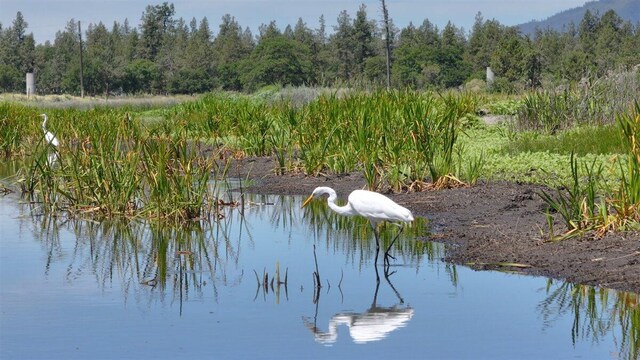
x: 89, y: 102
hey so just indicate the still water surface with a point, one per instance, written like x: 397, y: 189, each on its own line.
x: 80, y: 289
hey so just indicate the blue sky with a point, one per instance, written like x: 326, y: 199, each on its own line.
x: 46, y: 17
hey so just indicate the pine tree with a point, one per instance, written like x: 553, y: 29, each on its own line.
x: 342, y: 43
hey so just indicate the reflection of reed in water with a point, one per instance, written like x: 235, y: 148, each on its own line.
x: 150, y: 260
x: 598, y: 312
x: 374, y: 324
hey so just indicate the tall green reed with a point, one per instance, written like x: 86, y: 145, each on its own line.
x: 627, y: 200
x: 12, y: 129
x: 587, y: 204
x: 592, y: 102
x: 576, y: 202
x: 111, y: 166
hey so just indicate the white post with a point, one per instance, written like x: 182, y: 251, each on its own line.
x: 31, y: 85
x: 490, y: 76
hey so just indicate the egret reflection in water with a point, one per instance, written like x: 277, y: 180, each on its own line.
x: 373, y: 324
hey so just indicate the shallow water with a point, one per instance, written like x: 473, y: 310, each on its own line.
x: 80, y: 289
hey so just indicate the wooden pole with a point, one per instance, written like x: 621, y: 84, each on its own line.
x: 387, y: 39
x: 81, y: 65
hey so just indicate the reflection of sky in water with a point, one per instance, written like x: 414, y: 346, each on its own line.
x: 88, y: 302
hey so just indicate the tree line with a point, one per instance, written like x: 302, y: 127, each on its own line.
x: 168, y: 55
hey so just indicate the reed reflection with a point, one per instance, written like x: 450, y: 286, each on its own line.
x: 151, y: 261
x: 597, y: 312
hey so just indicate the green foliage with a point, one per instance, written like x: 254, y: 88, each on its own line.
x: 141, y: 76
x: 593, y: 103
x: 506, y: 156
x: 509, y: 58
x: 277, y: 60
x: 627, y: 200
x: 108, y: 165
x: 503, y: 86
x: 10, y: 78
x: 186, y: 81
x: 454, y: 69
x: 415, y: 62
x: 576, y: 202
x: 504, y: 107
x: 586, y: 205
x: 583, y: 140
x: 157, y: 21
x: 170, y: 55
x: 12, y: 129
x: 395, y: 138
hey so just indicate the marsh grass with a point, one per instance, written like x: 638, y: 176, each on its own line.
x: 15, y: 129
x: 587, y: 203
x: 576, y: 202
x: 626, y: 201
x: 582, y: 140
x: 113, y: 167
x: 592, y: 102
x: 394, y: 138
x: 399, y: 140
x: 91, y: 102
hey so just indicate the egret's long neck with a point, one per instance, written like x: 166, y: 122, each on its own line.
x: 342, y: 210
x: 44, y: 124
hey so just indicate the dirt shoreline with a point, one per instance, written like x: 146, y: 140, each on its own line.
x: 495, y: 222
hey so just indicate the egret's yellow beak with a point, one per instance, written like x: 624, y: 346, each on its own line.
x: 306, y: 202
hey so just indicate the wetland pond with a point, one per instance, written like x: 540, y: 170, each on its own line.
x: 108, y: 290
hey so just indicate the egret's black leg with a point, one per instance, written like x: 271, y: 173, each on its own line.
x: 386, y: 253
x: 375, y: 234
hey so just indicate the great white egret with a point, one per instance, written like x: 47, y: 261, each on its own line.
x: 372, y: 205
x: 48, y: 136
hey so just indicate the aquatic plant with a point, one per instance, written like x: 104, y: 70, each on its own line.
x: 120, y: 169
x: 626, y: 201
x: 576, y: 202
x: 590, y: 205
x: 394, y: 138
x: 592, y: 102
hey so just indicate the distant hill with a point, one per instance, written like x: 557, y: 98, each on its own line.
x: 627, y: 9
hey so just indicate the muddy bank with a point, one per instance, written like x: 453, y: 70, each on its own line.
x: 486, y: 224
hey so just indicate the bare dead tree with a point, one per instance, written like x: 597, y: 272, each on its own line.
x: 387, y: 42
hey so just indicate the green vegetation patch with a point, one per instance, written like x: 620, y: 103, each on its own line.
x: 583, y: 140
x: 508, y: 157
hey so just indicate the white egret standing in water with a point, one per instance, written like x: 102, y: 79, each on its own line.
x: 373, y: 206
x: 48, y: 136
x: 51, y: 140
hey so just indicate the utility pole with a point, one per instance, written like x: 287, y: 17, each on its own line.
x: 81, y: 65
x: 387, y: 41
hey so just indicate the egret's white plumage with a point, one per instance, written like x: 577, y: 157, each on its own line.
x: 372, y: 205
x: 48, y: 136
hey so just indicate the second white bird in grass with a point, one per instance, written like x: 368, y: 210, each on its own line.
x: 48, y: 136
x: 372, y: 205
